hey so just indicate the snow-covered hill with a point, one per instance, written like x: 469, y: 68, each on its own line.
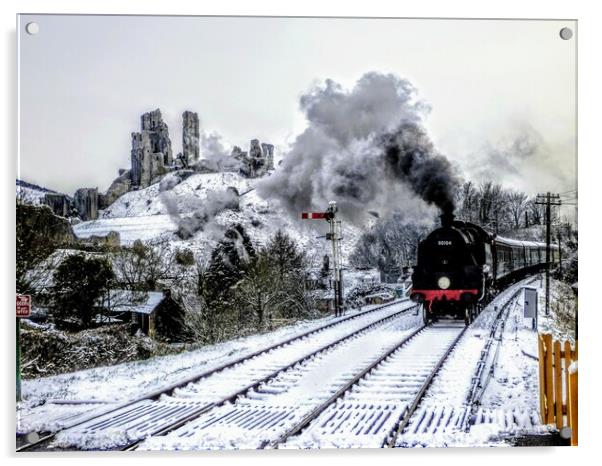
x: 30, y: 193
x: 145, y: 214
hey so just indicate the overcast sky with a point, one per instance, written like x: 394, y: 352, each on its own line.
x: 491, y: 86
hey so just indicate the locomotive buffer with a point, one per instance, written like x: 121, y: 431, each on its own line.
x: 334, y: 236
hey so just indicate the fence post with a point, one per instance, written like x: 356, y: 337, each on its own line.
x: 572, y: 396
x: 549, y: 379
x: 567, y: 381
x: 542, y: 378
x: 558, y: 385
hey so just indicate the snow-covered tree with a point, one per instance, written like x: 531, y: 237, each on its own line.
x: 79, y: 282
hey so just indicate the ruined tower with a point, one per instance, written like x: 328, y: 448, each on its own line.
x: 257, y: 161
x: 151, y: 150
x: 59, y: 203
x: 268, y: 153
x: 190, y: 137
x: 85, y: 201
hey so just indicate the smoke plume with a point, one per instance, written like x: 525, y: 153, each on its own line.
x: 522, y: 159
x: 215, y: 156
x: 365, y: 148
x: 192, y: 214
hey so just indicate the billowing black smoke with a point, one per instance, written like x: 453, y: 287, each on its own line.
x: 365, y: 148
x: 410, y: 158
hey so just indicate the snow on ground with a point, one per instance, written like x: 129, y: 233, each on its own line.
x: 548, y: 323
x: 30, y: 195
x: 293, y: 394
x: 116, y: 384
x: 509, y: 404
x: 130, y: 229
x: 143, y: 214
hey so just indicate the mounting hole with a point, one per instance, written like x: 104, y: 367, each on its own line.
x: 32, y: 437
x: 566, y: 33
x: 32, y: 28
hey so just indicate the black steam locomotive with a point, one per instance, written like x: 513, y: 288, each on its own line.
x: 460, y: 265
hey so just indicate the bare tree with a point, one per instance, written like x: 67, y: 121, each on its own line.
x: 517, y: 205
x: 144, y: 264
x: 469, y: 202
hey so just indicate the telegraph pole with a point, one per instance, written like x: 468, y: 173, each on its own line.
x: 559, y: 253
x: 548, y: 200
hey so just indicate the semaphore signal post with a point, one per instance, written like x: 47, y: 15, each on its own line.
x: 334, y: 236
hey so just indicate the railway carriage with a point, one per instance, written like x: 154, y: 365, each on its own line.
x: 460, y: 265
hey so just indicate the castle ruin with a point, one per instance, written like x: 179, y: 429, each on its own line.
x: 151, y: 150
x: 190, y: 137
x: 85, y: 201
x: 151, y: 157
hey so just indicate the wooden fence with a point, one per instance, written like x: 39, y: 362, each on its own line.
x: 558, y: 384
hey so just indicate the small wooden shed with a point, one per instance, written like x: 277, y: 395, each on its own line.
x: 154, y: 313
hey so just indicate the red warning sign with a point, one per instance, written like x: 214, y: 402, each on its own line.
x: 23, y: 305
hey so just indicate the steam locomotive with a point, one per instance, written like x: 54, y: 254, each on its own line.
x: 460, y: 265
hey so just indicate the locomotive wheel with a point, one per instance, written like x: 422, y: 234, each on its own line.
x: 425, y: 316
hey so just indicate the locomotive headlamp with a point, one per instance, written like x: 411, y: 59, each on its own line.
x: 443, y: 282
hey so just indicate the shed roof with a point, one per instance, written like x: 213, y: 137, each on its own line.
x: 130, y: 301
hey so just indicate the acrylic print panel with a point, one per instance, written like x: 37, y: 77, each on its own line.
x: 293, y: 233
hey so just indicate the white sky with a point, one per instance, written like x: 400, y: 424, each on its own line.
x: 85, y: 81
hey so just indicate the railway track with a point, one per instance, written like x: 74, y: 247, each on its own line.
x: 267, y: 413
x: 172, y: 406
x: 372, y: 403
x: 376, y: 408
x: 432, y: 417
x: 367, y: 411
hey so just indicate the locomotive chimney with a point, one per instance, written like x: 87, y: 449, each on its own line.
x: 447, y: 219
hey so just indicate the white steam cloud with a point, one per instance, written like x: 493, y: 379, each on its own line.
x: 365, y: 148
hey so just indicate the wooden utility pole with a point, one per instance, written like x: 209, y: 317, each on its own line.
x: 548, y: 200
x: 559, y: 252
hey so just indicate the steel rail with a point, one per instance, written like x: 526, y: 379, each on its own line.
x: 478, y: 386
x: 409, y: 411
x: 46, y: 437
x: 498, y: 323
x: 339, y: 393
x: 230, y: 398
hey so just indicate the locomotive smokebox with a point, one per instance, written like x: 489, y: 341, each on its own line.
x: 447, y: 219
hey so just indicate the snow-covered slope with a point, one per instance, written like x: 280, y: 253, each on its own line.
x: 145, y: 214
x: 30, y: 193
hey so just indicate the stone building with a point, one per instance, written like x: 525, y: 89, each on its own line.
x: 110, y: 239
x: 85, y: 201
x: 268, y: 153
x: 257, y: 161
x: 151, y: 150
x: 59, y: 203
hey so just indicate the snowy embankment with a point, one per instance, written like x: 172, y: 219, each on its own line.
x: 149, y: 214
x: 116, y: 384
